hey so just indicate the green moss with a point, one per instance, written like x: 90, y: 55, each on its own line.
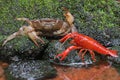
x: 92, y: 14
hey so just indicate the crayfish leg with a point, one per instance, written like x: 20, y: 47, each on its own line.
x: 82, y: 53
x: 92, y: 55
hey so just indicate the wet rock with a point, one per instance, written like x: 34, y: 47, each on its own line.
x: 30, y: 70
x: 115, y: 60
x: 115, y: 42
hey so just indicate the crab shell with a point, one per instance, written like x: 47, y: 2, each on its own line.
x: 50, y: 27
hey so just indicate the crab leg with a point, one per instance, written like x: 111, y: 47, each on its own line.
x: 63, y: 30
x: 33, y: 36
x: 24, y: 19
x: 11, y: 37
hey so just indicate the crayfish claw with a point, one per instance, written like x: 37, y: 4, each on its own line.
x: 60, y: 57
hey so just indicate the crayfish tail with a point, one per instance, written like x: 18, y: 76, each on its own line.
x: 114, y: 53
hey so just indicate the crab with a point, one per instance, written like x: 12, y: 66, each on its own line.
x: 45, y: 27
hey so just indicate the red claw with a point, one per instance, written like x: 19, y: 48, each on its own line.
x: 64, y: 54
x: 61, y: 56
x: 65, y: 38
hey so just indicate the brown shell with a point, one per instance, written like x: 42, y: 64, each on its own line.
x: 48, y: 25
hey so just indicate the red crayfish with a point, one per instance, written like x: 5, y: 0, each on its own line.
x: 84, y: 43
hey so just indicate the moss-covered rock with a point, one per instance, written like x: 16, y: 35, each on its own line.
x: 22, y: 48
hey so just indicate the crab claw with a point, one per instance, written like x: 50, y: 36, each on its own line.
x: 68, y: 15
x: 69, y: 19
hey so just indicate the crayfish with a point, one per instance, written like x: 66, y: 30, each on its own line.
x: 84, y: 44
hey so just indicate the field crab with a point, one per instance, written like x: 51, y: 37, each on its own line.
x: 45, y: 27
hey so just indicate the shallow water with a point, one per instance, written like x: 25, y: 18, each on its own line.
x: 101, y: 71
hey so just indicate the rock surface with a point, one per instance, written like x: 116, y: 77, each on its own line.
x: 30, y: 70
